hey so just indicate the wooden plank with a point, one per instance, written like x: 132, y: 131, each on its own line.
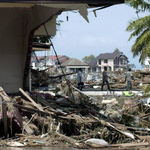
x: 60, y: 87
x: 61, y: 75
x: 69, y: 139
x: 131, y: 144
x: 38, y: 97
x: 4, y: 95
x: 144, y: 137
x: 31, y: 110
x: 27, y: 128
x: 4, y: 119
x: 31, y: 100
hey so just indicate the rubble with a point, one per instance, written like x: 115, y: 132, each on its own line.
x: 46, y: 118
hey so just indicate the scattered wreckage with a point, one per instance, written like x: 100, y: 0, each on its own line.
x: 45, y: 118
x: 47, y: 80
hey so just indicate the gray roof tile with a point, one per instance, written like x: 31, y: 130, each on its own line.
x: 74, y: 62
x: 109, y: 55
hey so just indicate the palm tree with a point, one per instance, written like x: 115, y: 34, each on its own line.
x: 141, y: 29
x: 139, y: 5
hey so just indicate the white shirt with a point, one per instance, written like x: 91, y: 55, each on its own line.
x: 128, y: 75
x: 78, y: 76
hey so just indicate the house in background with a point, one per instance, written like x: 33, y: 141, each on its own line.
x: 43, y: 62
x: 35, y: 61
x: 62, y: 58
x: 73, y: 65
x: 93, y: 65
x: 113, y: 61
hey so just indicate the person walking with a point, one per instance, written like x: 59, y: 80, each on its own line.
x: 80, y: 79
x: 105, y: 79
x: 128, y: 79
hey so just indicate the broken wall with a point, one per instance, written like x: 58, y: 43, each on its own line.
x: 15, y: 27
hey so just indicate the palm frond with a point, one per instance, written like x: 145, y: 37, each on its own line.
x: 141, y: 29
x: 139, y: 5
x: 140, y: 42
x: 138, y: 26
x: 142, y: 46
x: 143, y: 38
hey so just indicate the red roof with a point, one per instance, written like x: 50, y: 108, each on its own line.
x: 33, y: 58
x: 52, y: 57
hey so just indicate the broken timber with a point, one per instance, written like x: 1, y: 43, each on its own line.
x: 31, y: 100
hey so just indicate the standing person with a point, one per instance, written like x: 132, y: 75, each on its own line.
x: 80, y: 79
x: 105, y: 79
x: 128, y: 78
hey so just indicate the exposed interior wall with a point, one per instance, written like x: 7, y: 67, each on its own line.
x: 15, y: 27
x: 11, y: 49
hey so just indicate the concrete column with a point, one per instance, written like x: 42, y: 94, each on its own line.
x: 16, y: 25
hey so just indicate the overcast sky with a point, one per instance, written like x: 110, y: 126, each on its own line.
x: 102, y: 34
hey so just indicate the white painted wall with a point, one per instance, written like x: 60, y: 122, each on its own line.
x: 110, y: 62
x: 15, y: 26
x: 11, y: 49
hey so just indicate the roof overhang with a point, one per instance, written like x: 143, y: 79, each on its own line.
x: 60, y: 5
x: 64, y: 1
x: 94, y: 3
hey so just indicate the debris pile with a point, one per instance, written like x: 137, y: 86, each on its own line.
x: 74, y: 119
x: 46, y: 80
x: 117, y: 79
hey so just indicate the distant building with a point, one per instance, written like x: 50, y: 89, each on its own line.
x: 36, y: 62
x: 74, y: 64
x: 43, y: 62
x: 112, y: 61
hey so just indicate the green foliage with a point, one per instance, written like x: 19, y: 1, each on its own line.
x: 139, y: 5
x: 116, y: 50
x: 140, y: 29
x: 88, y: 58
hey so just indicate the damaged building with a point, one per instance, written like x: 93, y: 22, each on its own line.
x: 28, y: 19
x: 65, y: 115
